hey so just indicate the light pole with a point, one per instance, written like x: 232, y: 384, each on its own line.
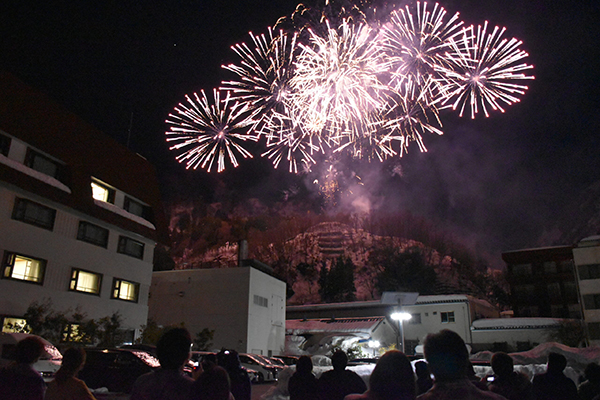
x: 401, y: 317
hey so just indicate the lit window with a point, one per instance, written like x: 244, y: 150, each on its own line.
x: 4, y: 144
x: 131, y: 247
x: 84, y: 281
x: 44, y: 164
x: 93, y: 234
x: 103, y: 193
x: 74, y: 333
x: 34, y: 213
x: 125, y: 290
x: 24, y: 268
x: 14, y: 325
x: 447, y: 317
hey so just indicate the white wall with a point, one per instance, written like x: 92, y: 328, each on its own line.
x: 431, y: 320
x: 223, y: 300
x: 63, y: 252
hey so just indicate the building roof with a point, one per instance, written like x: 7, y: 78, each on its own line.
x: 342, y: 325
x: 538, y: 254
x: 514, y: 323
x: 40, y: 122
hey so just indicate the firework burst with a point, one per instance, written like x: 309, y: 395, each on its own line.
x: 341, y: 79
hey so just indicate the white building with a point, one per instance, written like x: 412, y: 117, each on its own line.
x: 586, y: 256
x: 80, y: 214
x: 243, y: 305
x: 430, y: 314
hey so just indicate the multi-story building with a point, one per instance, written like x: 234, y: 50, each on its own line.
x: 586, y: 255
x: 80, y: 214
x: 542, y: 282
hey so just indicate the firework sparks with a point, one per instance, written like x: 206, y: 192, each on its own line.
x: 209, y: 132
x: 337, y: 81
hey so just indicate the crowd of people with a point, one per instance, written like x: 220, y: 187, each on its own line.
x: 447, y: 374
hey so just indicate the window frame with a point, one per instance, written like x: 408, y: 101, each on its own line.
x: 75, y: 272
x: 111, y: 192
x: 32, y: 155
x: 122, y: 247
x: 450, y: 317
x: 88, y: 239
x: 20, y: 213
x: 116, y: 290
x: 5, y: 143
x: 145, y: 209
x: 584, y: 271
x: 9, y: 265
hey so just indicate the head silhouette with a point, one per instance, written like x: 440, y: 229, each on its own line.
x: 339, y: 360
x: 446, y: 355
x: 173, y: 348
x: 556, y: 362
x: 304, y: 365
x: 393, y: 377
x: 29, y: 350
x: 502, y: 364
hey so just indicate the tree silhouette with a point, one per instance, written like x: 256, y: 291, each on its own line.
x: 336, y: 284
x: 403, y: 270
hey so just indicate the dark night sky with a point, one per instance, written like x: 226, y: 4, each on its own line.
x: 496, y: 182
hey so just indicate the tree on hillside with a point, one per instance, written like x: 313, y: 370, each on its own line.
x: 402, y: 270
x: 336, y: 284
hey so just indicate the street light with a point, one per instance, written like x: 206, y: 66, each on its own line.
x: 401, y: 317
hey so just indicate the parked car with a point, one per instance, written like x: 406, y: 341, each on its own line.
x: 287, y: 360
x: 48, y: 363
x: 116, y: 369
x: 266, y: 371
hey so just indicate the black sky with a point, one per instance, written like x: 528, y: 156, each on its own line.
x: 497, y: 182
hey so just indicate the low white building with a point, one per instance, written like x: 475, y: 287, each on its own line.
x: 80, y: 214
x: 243, y: 305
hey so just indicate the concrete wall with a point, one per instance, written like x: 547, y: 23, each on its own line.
x: 223, y: 300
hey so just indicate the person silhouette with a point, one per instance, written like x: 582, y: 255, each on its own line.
x: 554, y: 384
x: 335, y: 384
x: 507, y: 382
x: 66, y: 385
x: 392, y: 379
x: 448, y: 359
x: 591, y: 387
x: 303, y: 384
x: 168, y: 382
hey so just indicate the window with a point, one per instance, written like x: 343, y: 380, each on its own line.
x: 447, y: 317
x: 594, y: 330
x: 521, y: 269
x: 554, y: 292
x: 24, y: 268
x: 33, y: 213
x: 93, y: 234
x: 45, y: 165
x: 591, y: 271
x: 14, y: 325
x: 591, y: 301
x: 261, y: 301
x: 4, y: 144
x: 415, y: 319
x: 549, y: 267
x: 125, y: 290
x: 102, y: 192
x: 84, y: 281
x: 131, y: 247
x: 136, y: 208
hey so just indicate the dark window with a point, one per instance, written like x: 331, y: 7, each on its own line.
x: 447, y: 317
x: 594, y: 330
x: 45, y: 165
x: 24, y: 268
x: 4, y: 144
x: 591, y: 301
x: 34, y: 213
x: 554, y: 292
x: 125, y: 290
x: 93, y: 234
x: 261, y: 301
x: 521, y: 269
x: 131, y: 247
x: 136, y: 208
x: 550, y: 268
x: 591, y: 271
x: 85, y: 281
